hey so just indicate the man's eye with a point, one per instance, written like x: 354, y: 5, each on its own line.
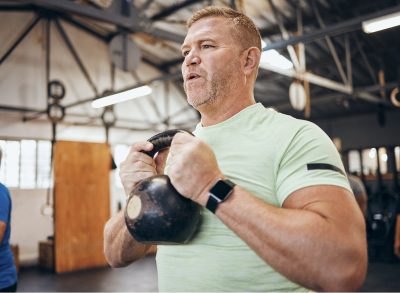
x: 206, y: 46
x: 185, y: 53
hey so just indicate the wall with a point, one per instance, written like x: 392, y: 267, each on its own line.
x: 23, y: 84
x: 364, y: 131
x: 28, y: 225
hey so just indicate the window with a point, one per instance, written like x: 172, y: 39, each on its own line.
x: 43, y: 178
x: 28, y: 164
x: 383, y: 158
x: 354, y: 162
x: 397, y: 156
x: 25, y: 163
x: 369, y: 161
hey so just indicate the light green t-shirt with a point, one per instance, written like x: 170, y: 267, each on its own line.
x: 266, y: 153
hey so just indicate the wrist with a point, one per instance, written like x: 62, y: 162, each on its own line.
x: 203, y: 196
x: 219, y: 193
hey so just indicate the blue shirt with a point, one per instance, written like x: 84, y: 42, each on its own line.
x: 8, y: 272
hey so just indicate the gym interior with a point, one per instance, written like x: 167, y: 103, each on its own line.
x: 62, y: 147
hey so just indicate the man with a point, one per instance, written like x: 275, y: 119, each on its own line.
x: 8, y: 272
x: 289, y: 223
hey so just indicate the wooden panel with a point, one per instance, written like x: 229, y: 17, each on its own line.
x: 82, y: 204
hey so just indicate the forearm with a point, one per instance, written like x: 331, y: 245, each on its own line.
x: 300, y: 244
x: 120, y: 249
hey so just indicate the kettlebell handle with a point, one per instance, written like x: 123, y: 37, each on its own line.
x: 155, y: 212
x: 163, y: 140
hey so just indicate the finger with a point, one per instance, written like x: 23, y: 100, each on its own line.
x: 181, y: 138
x: 141, y: 146
x: 136, y: 153
x: 131, y: 167
x: 160, y: 160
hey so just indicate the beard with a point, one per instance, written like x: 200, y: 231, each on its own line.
x: 214, y: 88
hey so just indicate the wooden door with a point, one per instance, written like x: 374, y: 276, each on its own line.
x: 82, y: 204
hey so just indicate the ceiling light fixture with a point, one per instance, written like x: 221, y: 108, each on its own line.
x: 273, y: 58
x: 122, y: 96
x: 381, y: 23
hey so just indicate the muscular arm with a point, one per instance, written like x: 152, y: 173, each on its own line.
x: 120, y: 249
x: 2, y: 230
x: 316, y: 240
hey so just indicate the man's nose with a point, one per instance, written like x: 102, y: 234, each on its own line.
x: 192, y: 58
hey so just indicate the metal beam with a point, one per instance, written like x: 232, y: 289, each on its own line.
x: 171, y: 76
x: 332, y: 30
x: 329, y: 42
x: 349, y: 66
x: 20, y: 38
x: 365, y: 59
x: 312, y: 78
x: 327, y: 83
x: 76, y: 56
x: 17, y: 109
x: 285, y: 35
x: 133, y: 23
x: 301, y: 48
x: 87, y: 11
x: 83, y: 27
x: 172, y: 9
x: 16, y: 7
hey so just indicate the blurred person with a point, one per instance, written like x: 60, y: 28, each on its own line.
x: 8, y: 272
x: 359, y: 191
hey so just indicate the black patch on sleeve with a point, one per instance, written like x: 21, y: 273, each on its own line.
x: 323, y: 166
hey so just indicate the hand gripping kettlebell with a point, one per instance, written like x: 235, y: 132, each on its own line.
x: 155, y: 212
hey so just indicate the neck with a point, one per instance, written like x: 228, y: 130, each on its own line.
x: 224, y: 109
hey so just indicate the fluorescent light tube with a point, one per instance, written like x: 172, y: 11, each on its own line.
x: 381, y: 23
x: 122, y: 97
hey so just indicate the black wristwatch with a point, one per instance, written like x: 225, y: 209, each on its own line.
x: 219, y: 193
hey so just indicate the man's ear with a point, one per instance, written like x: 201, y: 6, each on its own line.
x: 252, y: 59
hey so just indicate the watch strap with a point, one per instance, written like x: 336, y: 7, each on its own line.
x: 218, y: 195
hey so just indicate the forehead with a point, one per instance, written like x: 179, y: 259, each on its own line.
x: 216, y: 28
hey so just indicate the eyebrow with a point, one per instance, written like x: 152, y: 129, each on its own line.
x: 199, y: 41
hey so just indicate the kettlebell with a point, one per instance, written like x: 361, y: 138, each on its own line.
x: 155, y: 212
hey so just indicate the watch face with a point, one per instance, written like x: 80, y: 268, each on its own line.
x: 221, y: 189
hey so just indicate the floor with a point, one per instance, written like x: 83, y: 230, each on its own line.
x: 142, y: 277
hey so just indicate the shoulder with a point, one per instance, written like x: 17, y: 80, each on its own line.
x: 289, y: 130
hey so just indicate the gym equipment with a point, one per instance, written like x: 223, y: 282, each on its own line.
x: 381, y: 217
x: 55, y: 90
x: 155, y: 212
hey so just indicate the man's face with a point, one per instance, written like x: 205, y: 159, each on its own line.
x: 211, y: 61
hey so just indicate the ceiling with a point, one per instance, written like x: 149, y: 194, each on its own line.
x: 347, y: 71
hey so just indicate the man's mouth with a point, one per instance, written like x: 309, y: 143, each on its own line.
x: 192, y: 76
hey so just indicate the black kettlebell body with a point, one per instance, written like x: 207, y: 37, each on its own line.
x: 155, y: 212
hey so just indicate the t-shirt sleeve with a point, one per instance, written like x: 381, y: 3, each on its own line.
x: 309, y: 158
x: 4, y: 204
